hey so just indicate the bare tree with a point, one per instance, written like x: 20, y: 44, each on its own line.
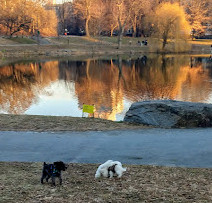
x: 170, y: 22
x: 13, y: 17
x: 85, y: 9
x: 124, y: 8
x: 110, y: 16
x: 139, y: 8
x: 26, y: 16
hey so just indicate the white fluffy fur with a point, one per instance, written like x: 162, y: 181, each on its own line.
x: 102, y: 170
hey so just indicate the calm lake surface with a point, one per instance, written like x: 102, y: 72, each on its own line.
x: 60, y: 88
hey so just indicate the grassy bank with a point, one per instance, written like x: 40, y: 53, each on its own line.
x: 20, y: 182
x: 59, y: 123
x: 66, y: 46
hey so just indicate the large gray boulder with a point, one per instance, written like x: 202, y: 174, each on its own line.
x: 170, y: 114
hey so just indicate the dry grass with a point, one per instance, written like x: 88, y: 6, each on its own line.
x: 201, y: 41
x: 20, y: 182
x: 59, y: 123
x: 68, y: 46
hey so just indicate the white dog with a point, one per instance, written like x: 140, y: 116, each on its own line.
x: 109, y: 169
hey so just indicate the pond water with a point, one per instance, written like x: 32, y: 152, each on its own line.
x: 60, y: 87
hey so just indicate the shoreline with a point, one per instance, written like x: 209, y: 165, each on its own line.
x: 81, y: 46
x: 55, y: 51
x: 38, y: 123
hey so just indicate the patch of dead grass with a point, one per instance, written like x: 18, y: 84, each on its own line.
x: 59, y: 123
x: 20, y: 182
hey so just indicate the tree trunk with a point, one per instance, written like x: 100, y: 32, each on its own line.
x: 10, y: 32
x: 120, y: 36
x: 87, y: 26
x: 134, y: 27
x: 121, y: 33
x: 165, y: 37
x: 164, y: 43
x: 121, y: 24
x: 111, y: 32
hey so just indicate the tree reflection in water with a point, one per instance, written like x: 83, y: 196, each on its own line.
x: 109, y: 84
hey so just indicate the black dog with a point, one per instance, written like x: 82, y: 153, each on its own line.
x: 52, y: 171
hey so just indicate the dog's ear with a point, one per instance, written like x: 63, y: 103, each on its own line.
x: 44, y: 163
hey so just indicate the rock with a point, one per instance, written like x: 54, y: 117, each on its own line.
x: 170, y: 114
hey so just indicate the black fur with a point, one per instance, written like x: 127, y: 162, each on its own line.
x: 52, y: 171
x: 112, y: 169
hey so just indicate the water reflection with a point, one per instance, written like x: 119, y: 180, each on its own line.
x: 61, y: 87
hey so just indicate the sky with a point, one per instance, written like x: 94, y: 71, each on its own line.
x: 59, y: 1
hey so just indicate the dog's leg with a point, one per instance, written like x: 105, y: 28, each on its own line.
x: 47, y: 178
x: 110, y: 174
x: 53, y: 180
x: 60, y: 180
x: 119, y: 174
x: 42, y: 177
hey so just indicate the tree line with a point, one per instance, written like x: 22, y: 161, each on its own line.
x: 27, y: 17
x: 164, y: 18
x: 137, y: 17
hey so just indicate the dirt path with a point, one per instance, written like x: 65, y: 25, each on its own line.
x: 164, y: 147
